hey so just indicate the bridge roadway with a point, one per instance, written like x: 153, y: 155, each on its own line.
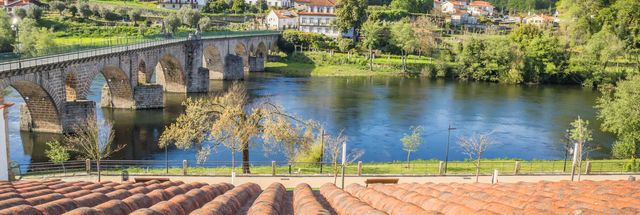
x: 55, y: 87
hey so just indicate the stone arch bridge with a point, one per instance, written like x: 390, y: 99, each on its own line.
x: 55, y: 87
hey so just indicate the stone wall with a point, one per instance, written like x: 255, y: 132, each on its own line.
x: 148, y: 96
x: 78, y: 113
x: 25, y: 118
x: 256, y: 64
x: 233, y: 68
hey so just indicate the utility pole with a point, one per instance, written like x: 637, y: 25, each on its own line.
x: 321, y: 148
x: 446, y: 153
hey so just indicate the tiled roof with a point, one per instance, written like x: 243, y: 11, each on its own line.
x: 154, y: 197
x: 480, y: 4
x: 318, y: 2
x: 303, y: 13
x: 283, y: 15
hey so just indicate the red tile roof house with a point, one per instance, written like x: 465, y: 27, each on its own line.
x: 10, y: 5
x: 176, y: 197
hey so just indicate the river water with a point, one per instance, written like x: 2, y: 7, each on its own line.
x: 527, y: 122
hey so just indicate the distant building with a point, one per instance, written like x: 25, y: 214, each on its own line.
x: 9, y: 5
x: 452, y: 7
x: 177, y: 4
x: 317, y: 16
x: 540, y: 20
x: 463, y: 18
x: 282, y: 19
x: 481, y: 8
x: 273, y: 3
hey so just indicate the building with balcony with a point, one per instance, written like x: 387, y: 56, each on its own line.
x: 273, y: 3
x: 317, y: 16
x: 177, y: 4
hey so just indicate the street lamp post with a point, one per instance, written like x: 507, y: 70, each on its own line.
x: 446, y: 153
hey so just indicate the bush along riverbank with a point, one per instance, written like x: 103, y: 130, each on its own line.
x: 320, y: 63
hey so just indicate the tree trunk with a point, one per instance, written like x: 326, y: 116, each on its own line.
x: 99, y: 171
x: 477, y: 169
x: 335, y: 172
x: 408, y: 160
x: 245, y: 158
x: 370, y: 60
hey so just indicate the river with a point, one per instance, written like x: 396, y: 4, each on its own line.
x: 527, y: 122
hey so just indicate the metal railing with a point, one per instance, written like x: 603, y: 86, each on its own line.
x: 13, y: 61
x: 273, y: 168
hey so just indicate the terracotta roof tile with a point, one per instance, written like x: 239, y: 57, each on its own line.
x: 564, y: 197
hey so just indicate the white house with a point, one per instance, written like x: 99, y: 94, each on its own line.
x: 282, y: 19
x: 177, y: 4
x: 317, y: 16
x: 539, y: 20
x: 481, y: 8
x: 452, y: 7
x: 463, y: 18
x: 273, y: 3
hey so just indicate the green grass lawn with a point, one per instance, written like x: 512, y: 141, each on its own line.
x: 417, y: 167
x: 306, y: 69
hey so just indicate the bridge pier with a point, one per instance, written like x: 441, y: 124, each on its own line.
x: 256, y: 64
x: 233, y: 67
x: 148, y: 96
x: 198, y: 81
x: 77, y: 113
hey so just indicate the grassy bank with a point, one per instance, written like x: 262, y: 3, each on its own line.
x: 417, y: 167
x: 342, y: 64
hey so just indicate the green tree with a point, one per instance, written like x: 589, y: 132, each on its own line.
x: 189, y: 16
x: 93, y: 141
x: 372, y: 32
x: 172, y: 22
x: 579, y: 134
x: 205, y: 23
x: 20, y: 13
x: 262, y: 6
x: 123, y: 12
x: 216, y: 6
x: 350, y: 15
x: 73, y: 10
x: 58, y: 5
x: 230, y: 120
x: 619, y: 110
x: 85, y: 10
x: 33, y: 40
x: 238, y: 6
x: 426, y: 39
x: 344, y: 44
x: 604, y: 47
x: 57, y: 153
x: 411, y: 142
x: 578, y: 19
x: 403, y: 36
x: 34, y: 12
x: 6, y: 33
x: 135, y: 15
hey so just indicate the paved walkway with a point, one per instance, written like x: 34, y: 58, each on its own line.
x: 316, y: 182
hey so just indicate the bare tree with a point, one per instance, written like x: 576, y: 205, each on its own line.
x: 474, y: 146
x: 93, y: 141
x: 579, y: 134
x: 232, y: 121
x: 333, y: 147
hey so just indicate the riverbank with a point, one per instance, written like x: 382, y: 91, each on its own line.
x: 325, y: 64
x: 417, y: 167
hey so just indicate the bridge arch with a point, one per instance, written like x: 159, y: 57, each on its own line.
x: 214, y: 62
x: 71, y: 86
x: 241, y: 51
x: 120, y: 92
x: 170, y: 74
x: 42, y: 113
x: 141, y: 73
x: 262, y: 50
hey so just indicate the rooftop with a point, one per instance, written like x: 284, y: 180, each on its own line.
x: 176, y: 197
x: 285, y: 14
x: 317, y: 2
x: 480, y: 4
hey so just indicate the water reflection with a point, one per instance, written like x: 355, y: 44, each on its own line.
x: 527, y: 121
